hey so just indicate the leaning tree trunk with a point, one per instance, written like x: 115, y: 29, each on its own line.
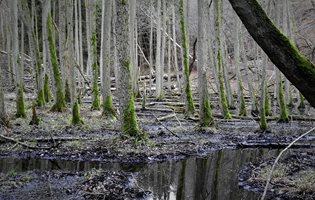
x: 108, y: 110
x: 218, y: 10
x: 205, y: 115
x: 295, y: 66
x: 129, y: 124
x: 190, y: 108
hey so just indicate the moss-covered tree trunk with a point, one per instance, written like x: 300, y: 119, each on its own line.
x: 218, y: 18
x: 60, y: 104
x: 284, y: 117
x: 47, y: 92
x: 108, y: 110
x: 76, y: 117
x: 190, y: 108
x: 95, y: 72
x: 17, y: 61
x: 129, y: 124
x: 205, y: 114
x: 299, y: 70
x: 263, y: 119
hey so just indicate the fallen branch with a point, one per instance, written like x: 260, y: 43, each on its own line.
x: 277, y: 159
x: 166, y: 117
x: 26, y: 145
x: 164, y: 126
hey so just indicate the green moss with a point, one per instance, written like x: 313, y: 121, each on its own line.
x: 290, y: 104
x: 242, y: 100
x: 20, y: 103
x: 67, y: 92
x: 95, y: 89
x: 76, y: 118
x: 302, y: 102
x: 284, y: 117
x: 130, y: 124
x: 225, y: 106
x: 190, y: 108
x: 144, y: 97
x: 47, y: 92
x: 208, y: 118
x: 108, y: 109
x: 263, y: 119
x: 35, y: 120
x: 60, y: 104
x: 40, y: 98
x: 267, y: 103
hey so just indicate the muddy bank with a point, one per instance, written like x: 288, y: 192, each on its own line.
x: 293, y: 177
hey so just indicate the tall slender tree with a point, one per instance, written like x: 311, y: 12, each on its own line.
x: 129, y: 124
x: 158, y: 64
x: 17, y: 62
x: 108, y: 110
x: 60, y: 104
x: 205, y: 114
x: 190, y: 108
x: 218, y: 19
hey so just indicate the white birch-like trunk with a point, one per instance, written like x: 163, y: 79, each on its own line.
x: 175, y: 47
x: 151, y: 48
x: 158, y: 65
x: 106, y: 24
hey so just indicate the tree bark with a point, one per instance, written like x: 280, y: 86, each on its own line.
x: 218, y: 16
x: 190, y: 108
x: 158, y: 65
x: 129, y: 124
x: 205, y: 114
x: 107, y: 96
x: 295, y: 66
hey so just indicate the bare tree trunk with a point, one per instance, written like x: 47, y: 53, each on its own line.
x: 190, y: 108
x: 3, y: 113
x: 218, y: 10
x: 164, y: 18
x: 18, y: 61
x: 133, y: 7
x: 175, y: 47
x: 205, y: 115
x: 89, y: 5
x: 129, y: 124
x: 158, y: 65
x: 242, y: 106
x: 151, y: 47
x: 108, y: 110
x: 114, y: 44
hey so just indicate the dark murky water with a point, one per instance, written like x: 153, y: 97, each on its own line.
x: 214, y: 177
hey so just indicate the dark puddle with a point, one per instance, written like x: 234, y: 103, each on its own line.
x: 213, y: 177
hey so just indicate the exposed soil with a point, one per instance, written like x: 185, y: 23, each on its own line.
x: 293, y: 177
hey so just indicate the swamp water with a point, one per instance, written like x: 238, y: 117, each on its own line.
x: 212, y: 177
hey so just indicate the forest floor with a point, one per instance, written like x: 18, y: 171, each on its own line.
x: 171, y: 136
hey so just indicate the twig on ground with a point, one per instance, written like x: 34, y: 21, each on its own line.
x: 277, y: 159
x: 164, y: 126
x: 26, y: 145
